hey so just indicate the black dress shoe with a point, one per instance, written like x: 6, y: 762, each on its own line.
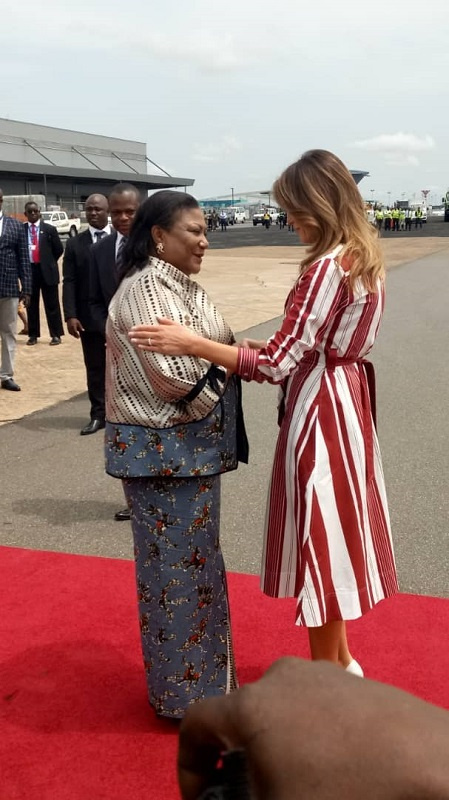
x: 11, y: 385
x: 55, y: 340
x: 32, y: 340
x: 122, y: 516
x: 92, y: 427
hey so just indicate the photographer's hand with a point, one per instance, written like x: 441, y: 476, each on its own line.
x: 312, y: 731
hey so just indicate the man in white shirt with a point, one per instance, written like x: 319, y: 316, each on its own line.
x: 223, y: 217
x: 45, y: 250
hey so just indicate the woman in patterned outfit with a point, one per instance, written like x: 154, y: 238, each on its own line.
x: 173, y: 426
x: 327, y: 536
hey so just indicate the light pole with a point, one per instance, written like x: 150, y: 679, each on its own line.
x: 232, y: 190
x: 389, y: 201
x: 372, y: 196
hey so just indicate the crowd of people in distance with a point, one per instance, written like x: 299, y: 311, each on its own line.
x: 218, y: 220
x: 398, y: 219
x: 212, y: 218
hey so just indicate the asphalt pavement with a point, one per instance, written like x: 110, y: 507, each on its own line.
x: 249, y: 235
x: 56, y: 495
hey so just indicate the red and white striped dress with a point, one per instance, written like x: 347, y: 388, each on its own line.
x: 327, y: 531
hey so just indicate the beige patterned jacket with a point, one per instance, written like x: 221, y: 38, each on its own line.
x: 147, y: 389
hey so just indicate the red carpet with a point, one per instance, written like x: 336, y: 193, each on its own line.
x: 74, y: 719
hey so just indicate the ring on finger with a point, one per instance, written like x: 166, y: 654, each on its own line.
x: 149, y: 341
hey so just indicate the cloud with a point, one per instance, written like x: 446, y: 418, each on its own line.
x: 206, y: 51
x: 197, y: 46
x: 217, y: 151
x: 399, y: 149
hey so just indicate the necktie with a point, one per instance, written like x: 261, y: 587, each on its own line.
x: 35, y: 245
x: 99, y: 236
x: 119, y: 257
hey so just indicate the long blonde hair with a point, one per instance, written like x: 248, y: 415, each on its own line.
x: 320, y: 193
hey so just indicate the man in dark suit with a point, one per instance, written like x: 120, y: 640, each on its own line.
x: 15, y: 282
x: 77, y: 313
x: 45, y: 249
x: 124, y: 201
x: 105, y: 257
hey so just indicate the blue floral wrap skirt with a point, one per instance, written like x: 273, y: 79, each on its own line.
x: 181, y: 590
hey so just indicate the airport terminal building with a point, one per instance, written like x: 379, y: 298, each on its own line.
x: 67, y: 166
x: 256, y: 199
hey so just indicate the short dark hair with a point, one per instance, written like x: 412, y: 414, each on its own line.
x: 121, y: 188
x: 162, y: 209
x: 31, y: 203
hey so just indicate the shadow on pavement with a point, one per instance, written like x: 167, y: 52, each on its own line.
x: 57, y: 511
x: 40, y: 423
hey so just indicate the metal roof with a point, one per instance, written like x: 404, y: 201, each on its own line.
x: 81, y: 175
x: 30, y: 149
x: 358, y: 174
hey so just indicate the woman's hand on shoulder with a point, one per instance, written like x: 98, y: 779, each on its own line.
x: 168, y: 337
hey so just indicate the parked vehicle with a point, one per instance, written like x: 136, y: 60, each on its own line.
x: 259, y: 215
x: 236, y: 216
x: 62, y: 222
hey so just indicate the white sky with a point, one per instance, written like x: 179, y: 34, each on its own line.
x: 229, y: 93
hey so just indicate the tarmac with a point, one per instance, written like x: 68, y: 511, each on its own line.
x: 249, y: 285
x: 57, y: 497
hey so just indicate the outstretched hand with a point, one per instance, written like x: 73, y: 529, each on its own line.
x: 167, y: 337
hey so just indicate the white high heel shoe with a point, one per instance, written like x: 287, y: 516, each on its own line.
x: 354, y: 668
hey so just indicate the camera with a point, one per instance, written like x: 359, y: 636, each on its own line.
x: 230, y: 780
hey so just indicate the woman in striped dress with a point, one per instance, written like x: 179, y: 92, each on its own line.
x: 327, y: 535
